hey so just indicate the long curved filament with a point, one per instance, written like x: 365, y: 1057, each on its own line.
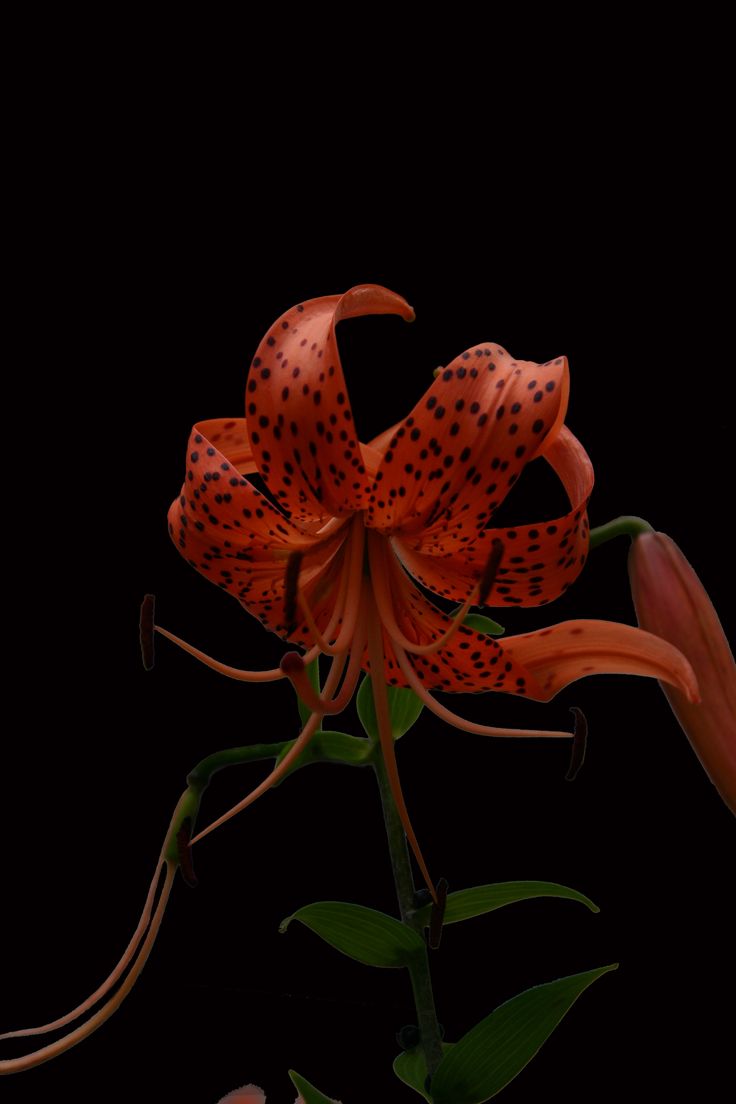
x: 385, y: 732
x: 301, y: 742
x: 44, y: 1054
x: 457, y: 721
x: 382, y: 563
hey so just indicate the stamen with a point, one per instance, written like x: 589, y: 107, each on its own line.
x: 460, y: 722
x: 184, y: 851
x: 294, y: 752
x: 278, y: 772
x: 383, y: 565
x: 37, y: 1057
x: 348, y: 602
x: 579, y: 743
x: 148, y: 606
x: 490, y: 571
x: 231, y: 672
x: 383, y: 716
x: 293, y: 667
x: 291, y: 589
x: 437, y: 915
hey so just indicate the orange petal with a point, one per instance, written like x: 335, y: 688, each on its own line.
x: 535, y: 665
x: 302, y: 431
x: 559, y: 655
x: 470, y: 662
x: 452, y: 462
x: 540, y: 560
x: 232, y: 534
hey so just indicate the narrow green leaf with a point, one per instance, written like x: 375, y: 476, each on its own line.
x: 466, y: 903
x: 404, y: 705
x: 362, y: 933
x: 411, y: 1068
x: 307, y: 1091
x: 483, y: 624
x: 313, y: 674
x: 497, y: 1049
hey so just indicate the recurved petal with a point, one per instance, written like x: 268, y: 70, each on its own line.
x: 230, y: 437
x: 470, y: 662
x: 233, y: 535
x: 451, y: 463
x: 559, y: 655
x: 540, y: 561
x: 536, y: 665
x: 302, y: 431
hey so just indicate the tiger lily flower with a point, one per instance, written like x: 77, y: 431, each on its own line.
x: 329, y: 558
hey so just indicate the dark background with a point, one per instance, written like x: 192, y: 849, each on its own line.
x: 150, y: 274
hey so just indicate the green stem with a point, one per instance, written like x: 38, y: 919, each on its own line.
x: 199, y: 777
x: 626, y: 526
x: 421, y: 981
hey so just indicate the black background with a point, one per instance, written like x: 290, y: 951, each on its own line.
x: 149, y: 278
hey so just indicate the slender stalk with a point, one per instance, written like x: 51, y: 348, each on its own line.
x: 421, y: 981
x: 626, y: 526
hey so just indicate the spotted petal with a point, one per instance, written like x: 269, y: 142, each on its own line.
x: 302, y: 430
x: 563, y: 653
x: 540, y: 560
x: 537, y: 664
x: 235, y: 537
x: 451, y: 463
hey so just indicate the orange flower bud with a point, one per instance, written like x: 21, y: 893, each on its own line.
x: 671, y: 602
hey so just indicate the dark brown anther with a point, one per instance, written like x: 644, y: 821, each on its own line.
x: 437, y: 915
x: 147, y: 625
x: 292, y: 664
x: 579, y: 741
x: 186, y: 866
x: 291, y: 589
x: 490, y: 571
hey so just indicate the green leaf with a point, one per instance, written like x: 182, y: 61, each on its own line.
x: 362, y: 933
x: 483, y: 624
x: 466, y: 903
x: 404, y: 705
x: 313, y: 675
x: 335, y: 747
x: 308, y: 1093
x: 497, y: 1049
x: 411, y: 1068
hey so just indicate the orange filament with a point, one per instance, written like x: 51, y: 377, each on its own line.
x: 453, y: 718
x: 349, y: 587
x: 223, y: 668
x: 348, y: 601
x: 37, y: 1057
x: 385, y: 732
x: 381, y: 568
x: 293, y: 667
x: 301, y: 742
x: 111, y: 980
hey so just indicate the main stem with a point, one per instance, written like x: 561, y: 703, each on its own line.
x: 421, y: 981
